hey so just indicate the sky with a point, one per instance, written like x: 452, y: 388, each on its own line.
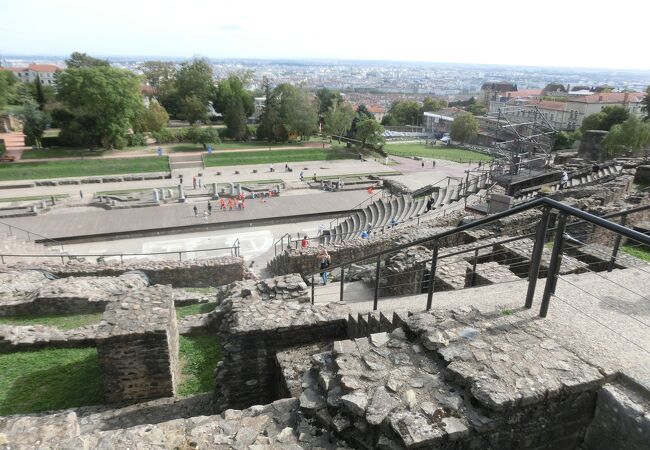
x: 556, y: 33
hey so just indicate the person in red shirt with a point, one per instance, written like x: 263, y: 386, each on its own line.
x: 371, y: 190
x: 230, y: 204
x: 243, y: 204
x: 222, y: 204
x: 304, y: 243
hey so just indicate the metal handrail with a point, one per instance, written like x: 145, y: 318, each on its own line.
x: 29, y: 233
x: 544, y: 201
x: 234, y: 249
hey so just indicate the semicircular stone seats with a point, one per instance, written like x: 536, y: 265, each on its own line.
x: 441, y: 196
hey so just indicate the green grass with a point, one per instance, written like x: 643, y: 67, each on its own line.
x: 199, y: 308
x: 439, y: 152
x: 49, y: 379
x: 276, y: 156
x: 234, y: 145
x: 638, y: 252
x: 199, y: 356
x: 81, y: 168
x: 33, y: 197
x: 40, y: 153
x: 61, y: 321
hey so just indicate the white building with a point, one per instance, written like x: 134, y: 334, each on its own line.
x: 29, y: 74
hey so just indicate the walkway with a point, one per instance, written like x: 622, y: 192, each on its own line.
x: 94, y: 222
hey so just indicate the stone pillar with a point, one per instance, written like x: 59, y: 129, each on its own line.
x: 137, y: 345
x: 238, y: 188
x: 163, y: 194
x: 170, y: 193
x: 156, y: 196
x: 277, y: 188
x: 181, y: 193
x: 43, y: 204
x: 232, y: 188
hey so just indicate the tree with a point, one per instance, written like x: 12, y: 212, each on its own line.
x: 299, y: 113
x: 154, y: 118
x: 326, y: 99
x: 270, y: 127
x: 432, y: 104
x: 78, y: 60
x: 605, y: 119
x: 159, y: 74
x: 464, y: 127
x: 106, y: 97
x: 646, y: 103
x: 34, y: 122
x: 630, y: 136
x: 40, y: 96
x: 8, y: 83
x: 388, y: 121
x: 565, y: 139
x: 193, y: 89
x: 370, y: 132
x: 235, y: 103
x: 363, y: 113
x: 338, y: 119
x: 476, y: 109
x: 405, y: 112
x: 203, y: 136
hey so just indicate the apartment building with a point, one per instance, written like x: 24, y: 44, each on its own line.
x: 46, y: 73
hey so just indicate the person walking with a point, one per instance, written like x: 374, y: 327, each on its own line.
x: 196, y: 211
x: 423, y: 164
x: 434, y: 163
x: 565, y: 179
x: 194, y: 182
x: 199, y: 182
x: 230, y: 204
x: 304, y: 243
x: 302, y: 176
x: 209, y: 208
x: 81, y: 194
x: 324, y: 261
x: 222, y: 204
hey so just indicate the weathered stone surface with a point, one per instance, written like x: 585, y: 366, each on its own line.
x: 355, y: 403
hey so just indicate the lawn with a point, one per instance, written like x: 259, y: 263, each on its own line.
x: 81, y: 168
x: 276, y: 156
x: 199, y: 308
x: 199, y: 356
x: 34, y: 198
x: 48, y: 379
x: 438, y: 152
x: 639, y: 252
x: 61, y: 321
x: 42, y: 153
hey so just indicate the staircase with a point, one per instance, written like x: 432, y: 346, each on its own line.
x: 191, y: 161
x: 14, y: 143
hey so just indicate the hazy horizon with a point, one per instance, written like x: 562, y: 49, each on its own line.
x: 557, y: 35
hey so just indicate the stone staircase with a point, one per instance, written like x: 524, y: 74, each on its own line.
x: 186, y: 161
x: 14, y: 143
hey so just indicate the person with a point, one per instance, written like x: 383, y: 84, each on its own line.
x: 304, y: 243
x: 302, y: 176
x: 230, y: 204
x: 194, y: 182
x: 243, y: 204
x: 81, y: 194
x: 199, y: 182
x: 429, y: 204
x: 324, y: 261
x: 321, y: 227
x: 595, y: 168
x: 393, y: 223
x: 205, y: 216
x: 239, y: 204
x: 270, y: 167
x: 364, y: 234
x: 423, y: 164
x: 222, y: 203
x: 434, y: 163
x: 565, y: 179
x: 196, y: 211
x: 371, y: 190
x: 209, y: 208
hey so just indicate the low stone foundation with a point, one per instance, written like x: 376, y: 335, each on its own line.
x: 137, y: 344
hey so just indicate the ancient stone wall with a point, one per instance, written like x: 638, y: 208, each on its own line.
x: 254, y: 328
x: 137, y: 345
x: 190, y: 273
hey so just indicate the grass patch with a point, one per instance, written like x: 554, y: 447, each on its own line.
x: 199, y: 356
x: 638, y: 252
x: 447, y: 153
x: 41, y: 153
x: 34, y: 197
x: 61, y: 321
x: 81, y: 168
x: 199, y: 308
x: 276, y: 156
x: 49, y: 379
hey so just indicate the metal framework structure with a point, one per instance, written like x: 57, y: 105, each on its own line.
x: 523, y: 137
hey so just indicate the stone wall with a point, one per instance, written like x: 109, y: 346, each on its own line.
x: 254, y: 328
x: 137, y: 345
x: 642, y: 175
x: 190, y: 273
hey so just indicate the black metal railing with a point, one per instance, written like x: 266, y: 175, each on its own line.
x: 551, y: 211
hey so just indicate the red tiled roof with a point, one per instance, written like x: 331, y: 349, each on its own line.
x: 610, y: 97
x: 44, y: 68
x: 13, y: 69
x: 376, y: 109
x: 523, y: 93
x: 548, y: 104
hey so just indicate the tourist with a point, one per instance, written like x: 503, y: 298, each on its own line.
x: 565, y: 180
x: 371, y: 190
x: 271, y: 168
x: 595, y: 168
x: 196, y: 211
x: 434, y: 163
x: 81, y: 194
x: 364, y: 234
x: 205, y: 216
x: 423, y: 164
x: 302, y: 176
x: 230, y: 204
x: 324, y: 262
x: 222, y: 204
x: 304, y: 243
x: 199, y: 182
x: 243, y: 203
x: 209, y: 208
x: 321, y: 227
x: 194, y: 182
x: 429, y: 204
x: 393, y: 223
x: 239, y: 204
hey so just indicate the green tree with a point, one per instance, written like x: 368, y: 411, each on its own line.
x: 326, y: 99
x: 39, y: 94
x: 370, y: 132
x: 78, y: 60
x: 193, y: 89
x: 646, y: 103
x: 34, y: 122
x: 363, y: 113
x: 630, y: 136
x: 338, y: 119
x: 270, y: 127
x: 159, y: 75
x: 464, y: 128
x: 388, y: 121
x: 193, y: 109
x: 154, y: 118
x: 605, y: 119
x: 8, y: 83
x: 432, y: 104
x: 565, y: 139
x: 236, y: 103
x: 203, y: 136
x: 405, y: 112
x: 593, y: 122
x: 299, y: 113
x: 107, y: 97
x: 476, y: 109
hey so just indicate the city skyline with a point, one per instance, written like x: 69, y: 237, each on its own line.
x: 465, y: 32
